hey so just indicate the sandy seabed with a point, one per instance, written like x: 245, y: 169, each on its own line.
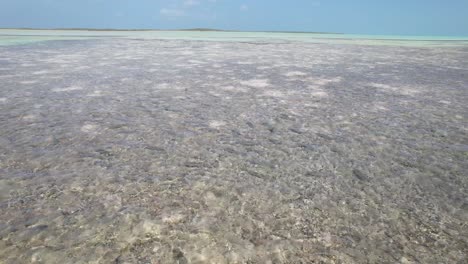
x: 171, y: 151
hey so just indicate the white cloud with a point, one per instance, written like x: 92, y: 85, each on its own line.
x: 244, y: 7
x: 172, y: 12
x: 189, y: 3
x: 186, y: 8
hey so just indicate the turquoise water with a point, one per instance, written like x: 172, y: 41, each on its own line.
x: 14, y: 37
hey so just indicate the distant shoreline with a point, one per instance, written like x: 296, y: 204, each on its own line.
x: 188, y: 29
x: 325, y: 35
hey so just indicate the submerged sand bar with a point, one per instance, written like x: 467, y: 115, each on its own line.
x: 120, y: 150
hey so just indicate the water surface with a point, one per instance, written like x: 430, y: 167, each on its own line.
x: 133, y: 149
x: 15, y: 36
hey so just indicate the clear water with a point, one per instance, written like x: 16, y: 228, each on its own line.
x: 130, y: 149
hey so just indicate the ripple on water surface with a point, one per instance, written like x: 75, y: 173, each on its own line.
x: 169, y: 151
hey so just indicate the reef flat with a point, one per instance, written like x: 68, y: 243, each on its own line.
x: 173, y: 151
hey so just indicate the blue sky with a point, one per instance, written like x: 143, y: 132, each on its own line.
x: 396, y: 17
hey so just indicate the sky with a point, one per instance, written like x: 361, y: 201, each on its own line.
x: 386, y: 17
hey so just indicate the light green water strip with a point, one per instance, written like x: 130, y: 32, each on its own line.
x: 15, y: 37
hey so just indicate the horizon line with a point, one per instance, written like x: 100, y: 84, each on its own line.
x: 181, y: 29
x: 226, y: 30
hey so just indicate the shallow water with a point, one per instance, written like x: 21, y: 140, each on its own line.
x: 180, y: 151
x: 15, y: 36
